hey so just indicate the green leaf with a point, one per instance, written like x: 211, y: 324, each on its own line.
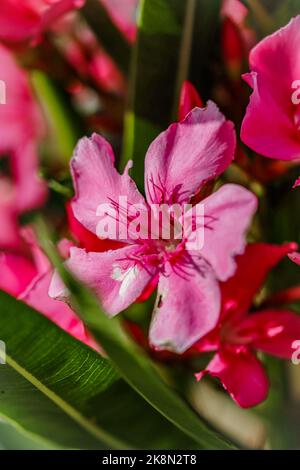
x: 109, y: 36
x: 55, y: 387
x: 259, y: 17
x: 59, y: 116
x: 131, y: 362
x: 205, y: 41
x: 161, y: 50
x: 12, y: 439
x: 174, y: 42
x: 267, y: 16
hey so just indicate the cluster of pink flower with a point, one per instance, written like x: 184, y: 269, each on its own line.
x: 203, y: 298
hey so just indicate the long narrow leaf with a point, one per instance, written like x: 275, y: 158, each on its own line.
x: 55, y: 387
x: 154, y: 75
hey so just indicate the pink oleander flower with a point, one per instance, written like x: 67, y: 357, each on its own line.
x: 28, y: 19
x: 86, y: 239
x: 21, y: 126
x: 272, y: 329
x: 271, y: 125
x: 27, y: 276
x: 177, y: 165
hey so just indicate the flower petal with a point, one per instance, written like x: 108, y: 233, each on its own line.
x: 297, y: 183
x: 269, y: 125
x: 114, y: 276
x: 30, y: 188
x: 36, y: 295
x: 186, y: 309
x: 19, y: 102
x: 182, y: 158
x: 241, y: 374
x: 273, y: 331
x: 252, y: 270
x: 124, y: 16
x: 20, y: 21
x: 189, y: 99
x: 17, y: 271
x: 24, y: 189
x: 235, y: 10
x: 295, y: 257
x: 227, y: 214
x: 209, y: 342
x: 97, y: 181
x: 87, y: 239
x: 9, y: 238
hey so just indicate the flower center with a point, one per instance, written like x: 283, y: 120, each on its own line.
x: 162, y: 251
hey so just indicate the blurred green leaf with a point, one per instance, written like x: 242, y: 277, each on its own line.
x: 279, y: 225
x: 285, y: 11
x: 276, y: 410
x: 154, y: 71
x: 267, y: 16
x: 173, y: 44
x: 131, y: 362
x: 205, y: 45
x: 12, y: 439
x: 259, y: 17
x: 55, y: 387
x: 58, y: 115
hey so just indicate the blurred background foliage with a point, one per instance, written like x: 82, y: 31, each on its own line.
x: 176, y: 40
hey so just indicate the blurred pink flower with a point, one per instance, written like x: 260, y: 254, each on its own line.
x: 83, y: 52
x: 105, y: 73
x: 21, y: 125
x: 235, y: 10
x: 27, y: 276
x: 295, y: 257
x: 124, y: 15
x: 178, y: 163
x: 237, y: 13
x: 271, y: 125
x: 239, y: 333
x: 236, y: 37
x: 297, y: 182
x: 28, y: 19
x: 17, y: 271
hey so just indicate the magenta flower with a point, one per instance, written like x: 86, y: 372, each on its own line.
x: 189, y: 99
x: 28, y: 19
x: 271, y: 125
x: 295, y: 257
x: 21, y: 126
x: 124, y: 15
x: 178, y: 163
x: 273, y: 329
x: 235, y: 10
x: 27, y: 276
x: 82, y: 50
